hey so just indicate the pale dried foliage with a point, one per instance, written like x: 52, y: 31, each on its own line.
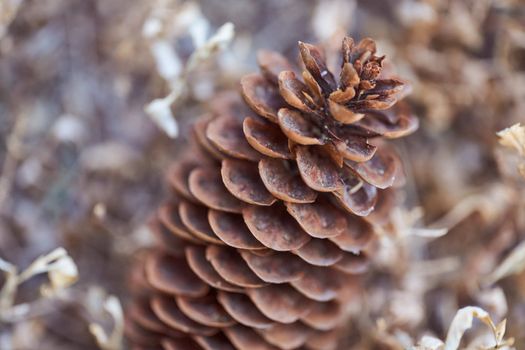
x: 84, y: 172
x: 60, y: 269
x: 113, y: 341
x: 463, y: 321
x: 169, y: 21
x: 514, y: 138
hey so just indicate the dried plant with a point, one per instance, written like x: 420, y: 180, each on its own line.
x: 190, y: 20
x: 61, y: 271
x: 460, y: 324
x: 115, y: 340
x: 514, y: 138
x: 92, y: 92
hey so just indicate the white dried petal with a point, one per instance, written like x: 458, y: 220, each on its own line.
x: 114, y: 341
x: 160, y: 112
x: 8, y: 290
x: 499, y: 332
x: 42, y: 264
x: 7, y: 267
x: 69, y: 128
x: 152, y: 27
x: 60, y: 267
x: 463, y: 321
x: 113, y: 307
x: 430, y: 343
x: 222, y: 37
x: 513, y: 137
x: 198, y: 31
x: 100, y: 335
x: 63, y: 273
x: 216, y: 43
x: 168, y: 62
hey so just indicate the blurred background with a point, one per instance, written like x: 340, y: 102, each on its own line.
x: 83, y: 150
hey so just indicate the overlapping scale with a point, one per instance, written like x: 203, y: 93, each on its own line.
x: 226, y: 133
x: 262, y: 96
x: 178, y: 175
x: 207, y: 186
x: 280, y: 302
x: 232, y: 230
x: 229, y: 264
x: 167, y: 310
x: 246, y: 338
x: 242, y: 179
x: 281, y: 179
x: 173, y: 276
x: 288, y: 336
x: 241, y: 308
x: 275, y: 268
x: 168, y: 216
x: 195, y: 218
x: 320, y: 284
x: 273, y: 209
x: 206, y: 311
x: 320, y: 252
x: 196, y: 258
x: 274, y: 228
x: 266, y: 138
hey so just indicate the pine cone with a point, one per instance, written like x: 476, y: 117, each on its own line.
x: 262, y: 241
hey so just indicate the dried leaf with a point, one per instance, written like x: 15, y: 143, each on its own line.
x: 63, y: 273
x: 499, y: 332
x: 513, y: 137
x: 160, y: 112
x: 168, y: 62
x: 59, y: 266
x: 115, y: 340
x: 8, y: 291
x: 514, y: 263
x: 216, y: 43
x: 463, y: 321
x: 429, y: 343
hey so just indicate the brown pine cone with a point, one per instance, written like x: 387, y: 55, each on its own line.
x: 261, y: 242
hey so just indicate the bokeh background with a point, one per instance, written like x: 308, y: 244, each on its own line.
x: 82, y: 162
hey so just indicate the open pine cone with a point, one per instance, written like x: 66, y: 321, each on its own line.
x: 262, y: 241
